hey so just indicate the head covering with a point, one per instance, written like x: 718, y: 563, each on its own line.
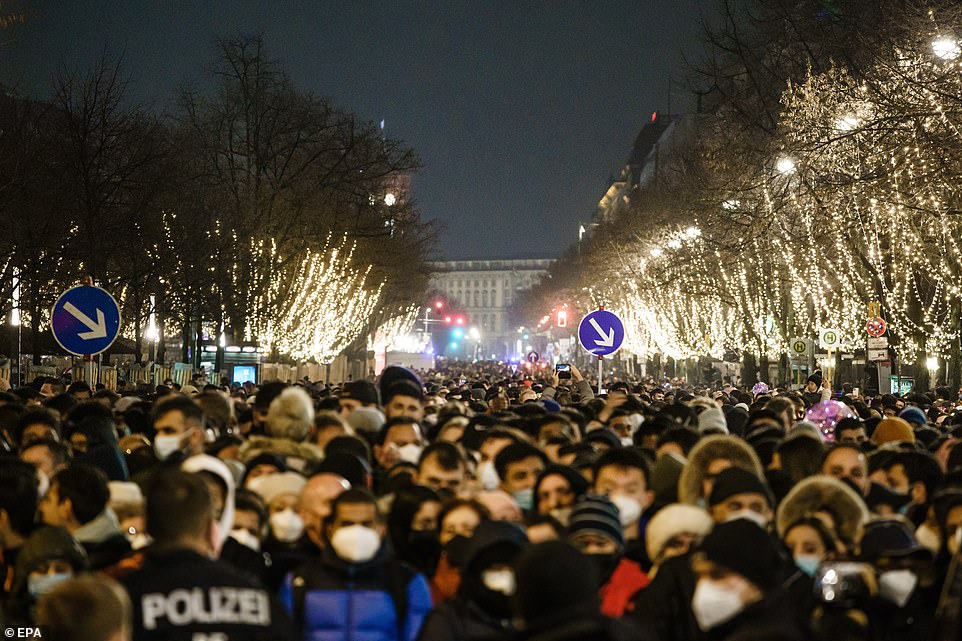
x: 735, y: 480
x: 603, y: 435
x: 809, y: 429
x: 366, y: 420
x: 712, y: 418
x: 893, y: 430
x: 188, y: 390
x: 362, y: 391
x: 664, y: 478
x: 823, y: 493
x: 274, y: 485
x: 746, y: 549
x: 355, y: 470
x: 393, y: 374
x: 490, y: 534
x: 889, y: 538
x: 103, y: 450
x: 673, y: 520
x: 708, y: 449
x: 291, y: 414
x: 914, y: 415
x: 46, y: 543
x: 550, y: 404
x: 556, y: 583
x: 217, y: 467
x: 124, y: 403
x: 125, y: 493
x: 816, y: 378
x: 596, y: 514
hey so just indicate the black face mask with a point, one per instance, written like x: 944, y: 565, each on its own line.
x: 606, y: 564
x: 424, y: 550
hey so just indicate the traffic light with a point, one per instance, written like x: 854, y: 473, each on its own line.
x: 447, y: 319
x: 460, y: 320
x: 457, y: 333
x: 525, y: 336
x: 562, y: 318
x: 439, y: 304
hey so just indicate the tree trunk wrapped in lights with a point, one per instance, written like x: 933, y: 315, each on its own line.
x: 316, y: 306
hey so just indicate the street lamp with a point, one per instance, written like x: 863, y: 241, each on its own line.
x: 946, y: 48
x: 785, y: 165
x: 15, y: 322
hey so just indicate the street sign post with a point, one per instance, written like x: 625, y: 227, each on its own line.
x: 829, y: 338
x: 799, y: 348
x: 85, y: 320
x: 875, y: 327
x: 601, y: 332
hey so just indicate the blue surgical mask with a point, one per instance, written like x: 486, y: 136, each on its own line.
x: 524, y: 498
x: 40, y: 584
x: 808, y: 564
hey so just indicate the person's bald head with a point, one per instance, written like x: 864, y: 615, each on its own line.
x: 315, y: 502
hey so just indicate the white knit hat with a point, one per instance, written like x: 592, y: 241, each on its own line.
x: 712, y: 419
x: 272, y: 486
x: 125, y: 492
x: 672, y: 520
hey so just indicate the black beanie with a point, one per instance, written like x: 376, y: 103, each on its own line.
x: 816, y: 378
x: 556, y: 583
x: 393, y: 374
x: 402, y: 388
x: 746, y: 549
x: 735, y: 480
x: 362, y: 391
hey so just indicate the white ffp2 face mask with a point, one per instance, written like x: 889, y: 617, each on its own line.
x: 751, y: 515
x: 499, y: 581
x: 410, y: 453
x: 928, y: 538
x: 164, y: 446
x: 488, y: 476
x: 713, y: 605
x: 287, y: 525
x: 629, y: 509
x: 356, y: 543
x: 245, y: 538
x: 897, y: 586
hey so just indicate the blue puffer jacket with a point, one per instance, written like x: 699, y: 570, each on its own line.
x: 331, y: 600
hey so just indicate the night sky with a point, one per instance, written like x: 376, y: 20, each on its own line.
x: 519, y: 110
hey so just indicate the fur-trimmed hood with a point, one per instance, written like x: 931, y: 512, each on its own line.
x: 289, y: 450
x: 707, y: 450
x: 824, y: 493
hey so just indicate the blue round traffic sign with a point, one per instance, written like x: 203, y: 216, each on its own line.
x: 85, y: 320
x: 601, y: 332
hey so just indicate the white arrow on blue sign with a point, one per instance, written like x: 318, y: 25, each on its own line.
x: 85, y: 320
x: 601, y: 332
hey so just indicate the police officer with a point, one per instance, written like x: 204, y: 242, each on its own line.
x: 180, y: 592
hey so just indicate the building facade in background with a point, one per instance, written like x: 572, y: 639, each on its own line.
x: 484, y: 290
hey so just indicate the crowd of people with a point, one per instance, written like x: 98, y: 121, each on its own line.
x: 479, y: 502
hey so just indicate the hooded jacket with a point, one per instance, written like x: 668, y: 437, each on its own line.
x: 707, y: 450
x: 296, y: 455
x: 824, y: 494
x: 463, y: 619
x: 215, y: 466
x: 102, y: 448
